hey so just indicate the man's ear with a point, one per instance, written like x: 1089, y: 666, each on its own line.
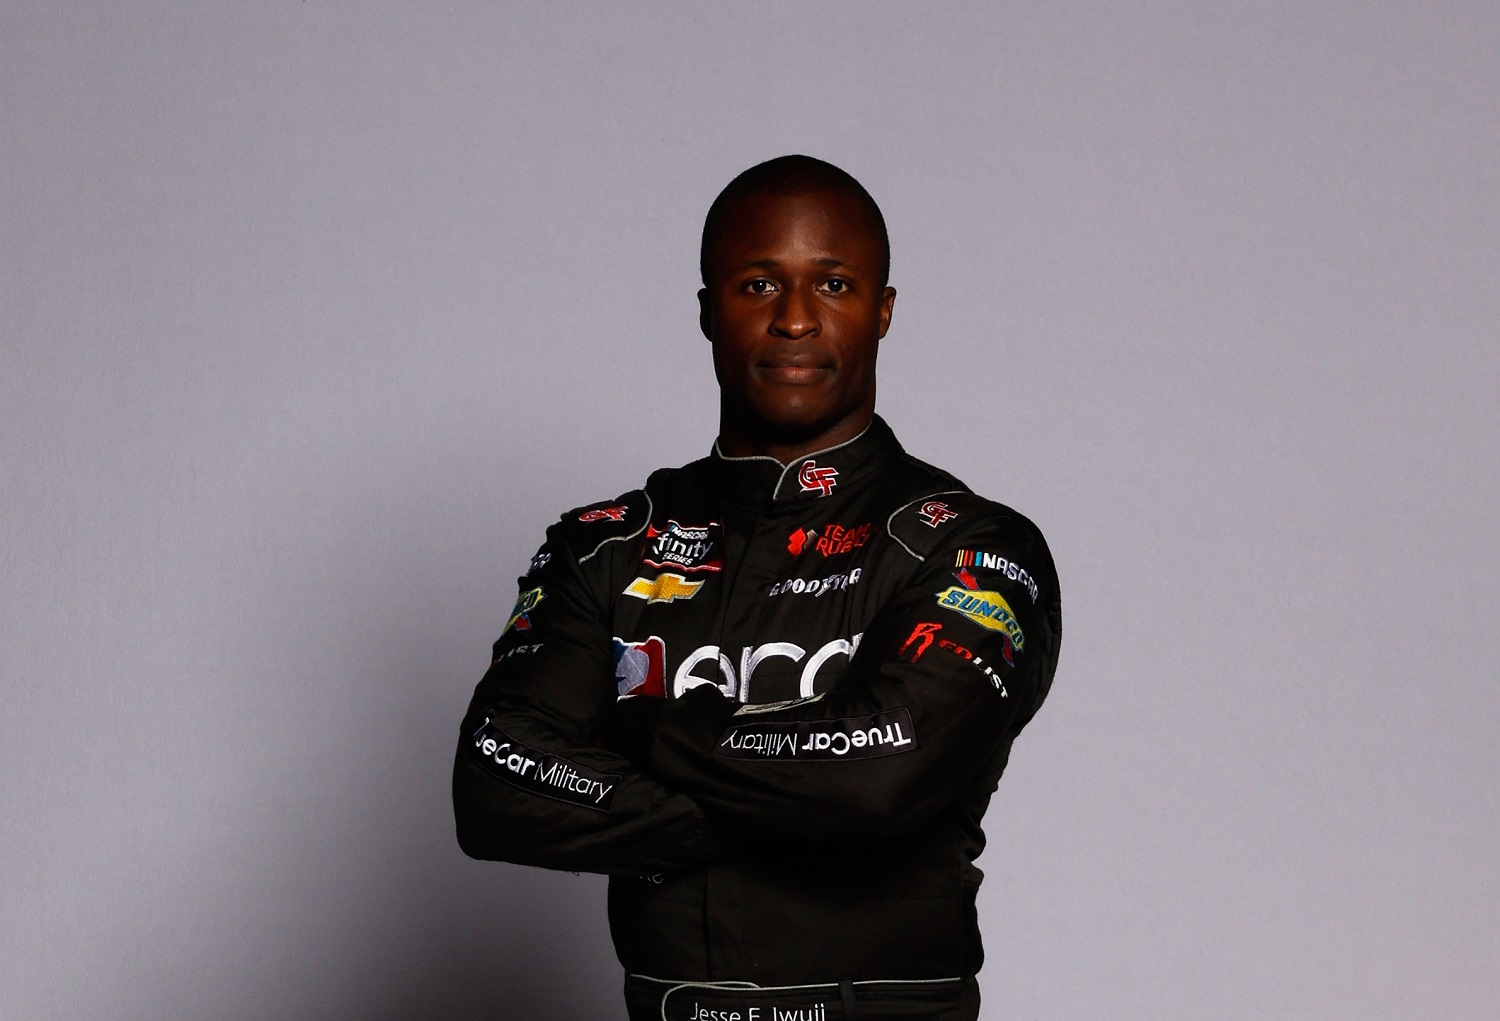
x: 887, y: 306
x: 703, y: 314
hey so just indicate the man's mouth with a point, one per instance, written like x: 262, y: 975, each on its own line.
x: 794, y: 368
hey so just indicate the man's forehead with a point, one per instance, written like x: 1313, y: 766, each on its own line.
x: 838, y: 220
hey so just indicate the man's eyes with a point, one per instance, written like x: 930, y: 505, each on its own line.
x: 763, y: 285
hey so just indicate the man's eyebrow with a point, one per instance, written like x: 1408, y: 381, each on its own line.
x: 773, y: 263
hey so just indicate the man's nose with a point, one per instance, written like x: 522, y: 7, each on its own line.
x: 796, y: 315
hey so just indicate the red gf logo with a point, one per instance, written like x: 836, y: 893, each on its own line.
x: 935, y: 513
x: 817, y: 480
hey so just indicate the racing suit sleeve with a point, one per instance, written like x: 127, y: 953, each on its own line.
x: 948, y: 671
x: 531, y: 784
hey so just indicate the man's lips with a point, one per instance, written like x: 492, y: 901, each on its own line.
x: 794, y: 368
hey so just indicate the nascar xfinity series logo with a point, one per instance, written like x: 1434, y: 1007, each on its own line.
x: 817, y: 480
x: 684, y: 547
x: 985, y: 608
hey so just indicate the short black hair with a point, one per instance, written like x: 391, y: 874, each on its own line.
x: 791, y: 175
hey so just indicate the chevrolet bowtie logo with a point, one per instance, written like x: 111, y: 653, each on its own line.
x: 663, y: 588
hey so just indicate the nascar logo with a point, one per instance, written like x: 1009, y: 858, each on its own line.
x: 663, y: 588
x: 817, y: 480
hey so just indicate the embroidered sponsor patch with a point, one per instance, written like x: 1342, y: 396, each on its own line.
x: 856, y: 737
x: 604, y: 514
x: 830, y: 540
x: 995, y: 562
x: 641, y: 667
x: 985, y: 608
x: 922, y: 637
x: 518, y: 650
x: 935, y: 513
x: 817, y: 480
x: 663, y: 588
x: 815, y: 586
x: 538, y: 772
x: 538, y: 562
x: 520, y: 614
x: 684, y: 547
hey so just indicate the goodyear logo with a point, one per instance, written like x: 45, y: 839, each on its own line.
x: 985, y: 608
x: 663, y: 588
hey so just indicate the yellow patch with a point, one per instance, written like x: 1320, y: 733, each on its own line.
x: 985, y: 608
x: 663, y: 588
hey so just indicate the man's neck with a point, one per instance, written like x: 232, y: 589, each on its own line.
x: 738, y: 442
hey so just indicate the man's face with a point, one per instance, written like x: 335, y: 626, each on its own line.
x: 795, y: 307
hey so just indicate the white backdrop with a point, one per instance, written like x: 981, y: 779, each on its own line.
x: 314, y: 314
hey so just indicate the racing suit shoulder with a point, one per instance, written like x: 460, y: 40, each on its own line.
x: 935, y: 520
x: 589, y: 529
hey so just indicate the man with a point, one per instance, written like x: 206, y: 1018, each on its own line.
x: 771, y: 693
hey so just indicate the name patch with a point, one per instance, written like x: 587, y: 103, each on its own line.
x: 538, y: 772
x: 856, y: 737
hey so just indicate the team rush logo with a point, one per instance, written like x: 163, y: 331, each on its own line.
x: 935, y: 513
x: 604, y: 514
x: 834, y: 539
x: 817, y: 480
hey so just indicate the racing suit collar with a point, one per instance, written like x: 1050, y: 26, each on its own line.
x: 759, y: 479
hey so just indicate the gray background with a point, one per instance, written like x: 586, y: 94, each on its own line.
x: 315, y: 314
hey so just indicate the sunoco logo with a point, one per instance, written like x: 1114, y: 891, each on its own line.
x: 520, y: 614
x: 985, y: 608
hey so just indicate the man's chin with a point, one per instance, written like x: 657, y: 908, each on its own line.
x: 794, y: 425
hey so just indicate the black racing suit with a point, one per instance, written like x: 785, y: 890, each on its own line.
x: 772, y: 703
